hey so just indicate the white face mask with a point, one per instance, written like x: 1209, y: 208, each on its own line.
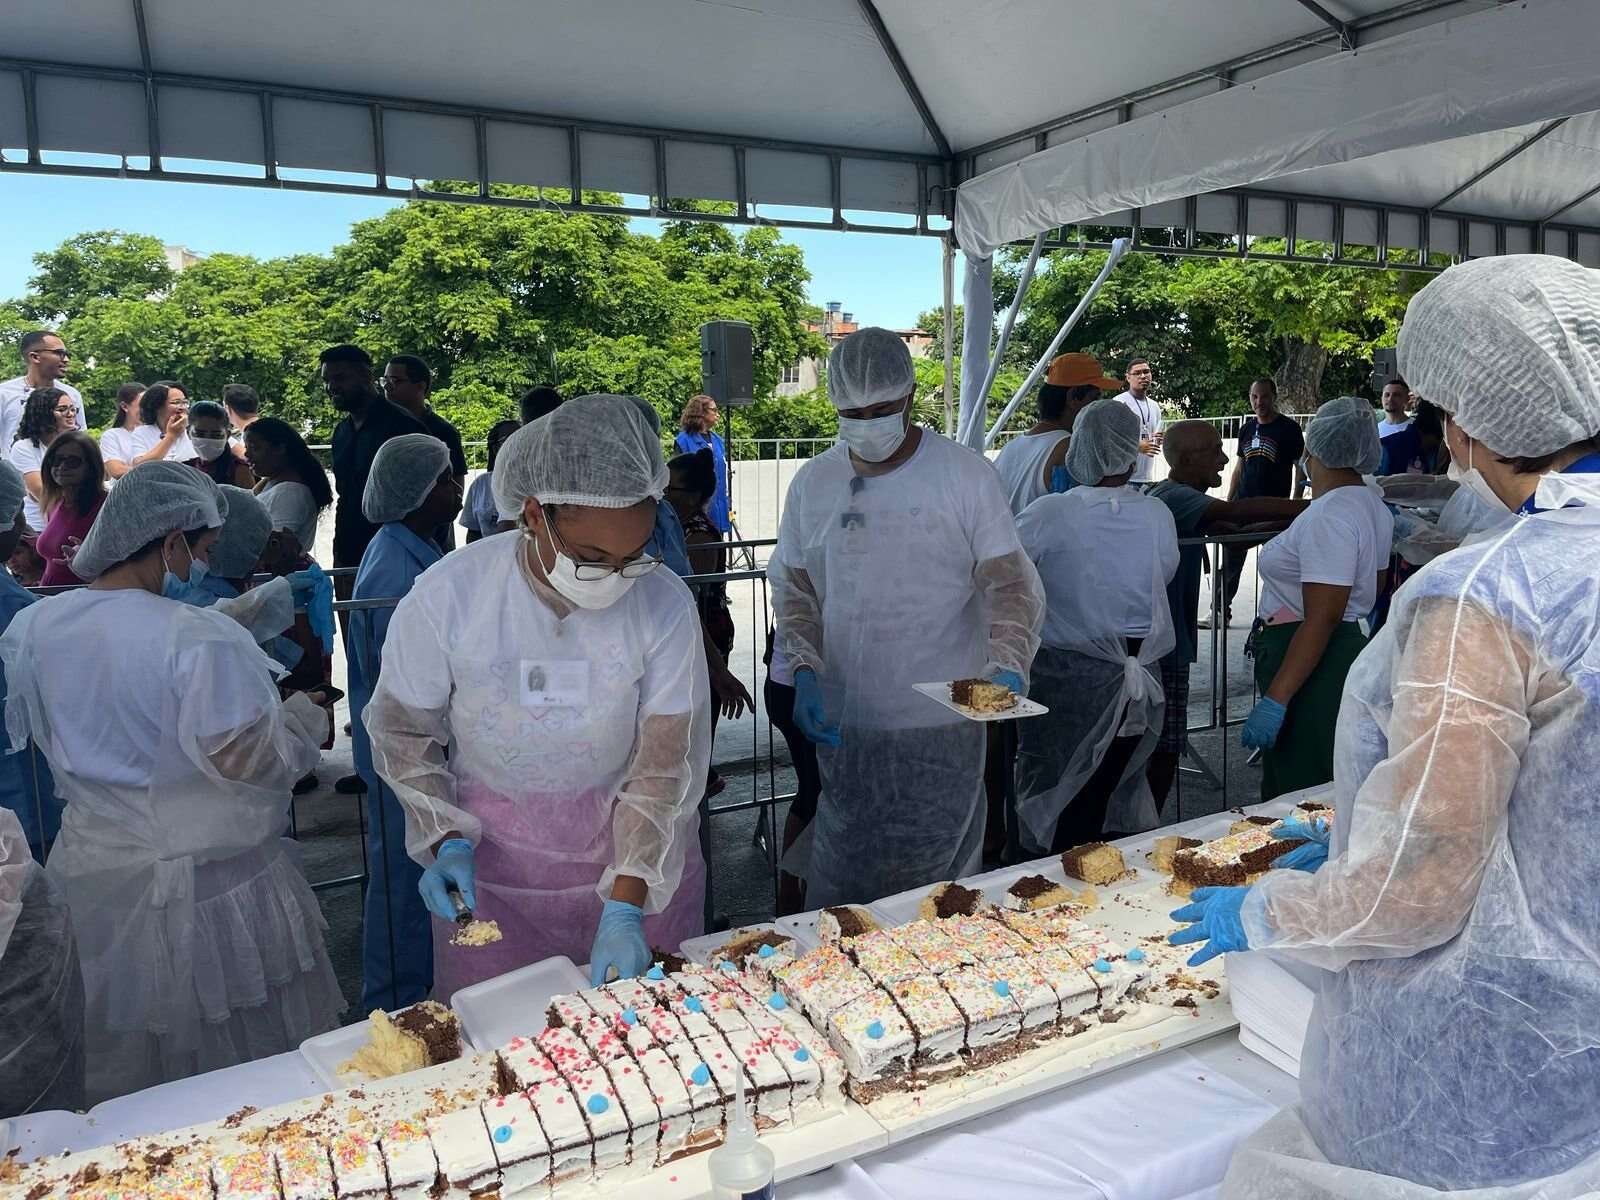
x: 585, y: 593
x: 874, y: 438
x: 1472, y: 479
x: 209, y: 449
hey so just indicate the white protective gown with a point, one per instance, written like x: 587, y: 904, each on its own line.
x: 879, y: 583
x: 1456, y: 1038
x: 1106, y: 556
x: 568, y: 745
x: 200, y: 940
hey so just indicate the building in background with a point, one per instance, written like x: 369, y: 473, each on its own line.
x: 180, y: 258
x: 836, y: 325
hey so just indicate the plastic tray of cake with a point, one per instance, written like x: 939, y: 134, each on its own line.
x: 327, y: 1051
x: 513, y: 1005
x: 939, y: 693
x: 802, y: 927
x: 700, y: 949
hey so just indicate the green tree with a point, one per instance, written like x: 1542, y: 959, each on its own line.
x: 94, y: 266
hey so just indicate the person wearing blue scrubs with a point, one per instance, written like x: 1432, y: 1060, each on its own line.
x: 26, y: 787
x: 699, y: 422
x: 410, y: 492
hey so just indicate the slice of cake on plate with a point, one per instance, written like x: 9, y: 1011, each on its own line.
x: 844, y: 921
x: 521, y: 1150
x: 951, y: 900
x: 982, y: 695
x: 1094, y: 862
x: 1033, y: 892
x: 467, y: 1162
x: 875, y: 1043
x: 420, y: 1035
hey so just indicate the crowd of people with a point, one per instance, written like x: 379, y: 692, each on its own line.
x: 533, y: 719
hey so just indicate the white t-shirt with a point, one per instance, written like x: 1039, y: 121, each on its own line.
x: 14, y: 393
x: 146, y: 437
x: 1343, y: 538
x: 118, y: 444
x: 1150, y: 423
x: 478, y: 511
x: 1386, y: 426
x: 1021, y: 466
x: 26, y: 456
x: 291, y: 506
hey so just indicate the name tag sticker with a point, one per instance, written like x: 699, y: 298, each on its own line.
x: 554, y: 683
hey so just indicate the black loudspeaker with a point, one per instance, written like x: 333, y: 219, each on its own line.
x: 727, y: 374
x: 1385, y: 366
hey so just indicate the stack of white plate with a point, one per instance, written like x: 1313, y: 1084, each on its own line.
x: 1273, y: 1008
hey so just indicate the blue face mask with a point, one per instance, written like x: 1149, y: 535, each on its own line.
x: 187, y: 591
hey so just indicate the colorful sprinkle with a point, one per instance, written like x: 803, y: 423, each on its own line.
x: 694, y: 1005
x: 598, y: 1104
x: 802, y: 1055
x: 1102, y: 966
x: 765, y: 952
x: 776, y: 1002
x: 1002, y: 988
x: 875, y: 1030
x: 503, y: 1134
x: 701, y: 1075
x: 629, y: 1017
x: 1136, y: 955
x: 655, y: 972
x: 728, y: 968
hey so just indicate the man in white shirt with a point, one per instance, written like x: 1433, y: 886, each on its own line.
x: 44, y: 362
x: 1148, y: 410
x: 1396, y: 401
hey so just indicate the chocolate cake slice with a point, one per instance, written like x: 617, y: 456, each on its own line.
x: 845, y: 921
x: 950, y: 900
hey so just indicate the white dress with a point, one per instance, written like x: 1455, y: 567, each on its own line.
x: 200, y: 940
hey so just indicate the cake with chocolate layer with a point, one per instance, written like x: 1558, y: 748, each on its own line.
x: 421, y: 1035
x: 748, y: 943
x: 1165, y: 847
x: 950, y: 900
x: 844, y: 921
x: 1244, y: 824
x: 982, y: 695
x: 1238, y: 859
x: 1033, y: 892
x: 1094, y: 862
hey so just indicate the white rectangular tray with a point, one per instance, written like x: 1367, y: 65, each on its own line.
x: 326, y: 1051
x: 700, y: 949
x: 513, y: 1005
x: 939, y: 693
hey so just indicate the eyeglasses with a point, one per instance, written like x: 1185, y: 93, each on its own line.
x: 65, y: 410
x: 59, y: 351
x: 591, y: 571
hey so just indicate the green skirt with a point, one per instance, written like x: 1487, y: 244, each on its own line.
x: 1303, y: 755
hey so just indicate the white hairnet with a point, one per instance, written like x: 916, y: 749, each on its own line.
x: 1510, y: 347
x: 12, y: 491
x: 403, y: 473
x: 597, y: 451
x: 869, y: 367
x: 1344, y: 433
x: 244, y: 535
x: 1105, y: 441
x: 651, y: 416
x: 148, y: 502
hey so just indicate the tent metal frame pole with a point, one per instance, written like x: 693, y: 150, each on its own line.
x: 1478, y: 177
x: 152, y: 116
x: 1004, y: 339
x: 1345, y: 31
x: 949, y: 336
x: 869, y: 10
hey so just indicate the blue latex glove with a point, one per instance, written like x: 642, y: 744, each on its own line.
x: 1011, y: 679
x: 1214, y: 912
x: 619, y: 943
x: 1262, y: 726
x: 313, y: 591
x: 810, y: 715
x: 452, y: 868
x: 1313, y: 854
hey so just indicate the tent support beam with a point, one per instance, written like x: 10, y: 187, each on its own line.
x: 1347, y: 34
x: 869, y: 10
x: 1528, y: 142
x: 1011, y: 319
x: 152, y: 119
x: 1566, y: 208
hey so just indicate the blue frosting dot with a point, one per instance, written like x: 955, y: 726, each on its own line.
x: 693, y: 1004
x: 1102, y: 966
x: 1002, y: 988
x: 728, y: 968
x: 503, y: 1134
x: 802, y: 1055
x: 629, y: 1017
x: 1136, y: 955
x: 765, y: 952
x: 701, y: 1075
x: 875, y: 1030
x: 655, y: 972
x: 598, y: 1104
x: 776, y: 1001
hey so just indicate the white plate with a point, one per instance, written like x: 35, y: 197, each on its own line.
x: 939, y: 693
x: 700, y: 949
x: 513, y: 1005
x: 327, y: 1050
x: 802, y: 927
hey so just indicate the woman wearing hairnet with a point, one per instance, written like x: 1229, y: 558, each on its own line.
x: 897, y: 563
x: 1318, y: 578
x: 566, y: 679
x: 200, y: 940
x: 411, y: 492
x: 1456, y: 1039
x: 1105, y: 552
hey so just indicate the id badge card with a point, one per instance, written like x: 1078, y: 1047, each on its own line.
x: 554, y: 683
x: 853, y: 531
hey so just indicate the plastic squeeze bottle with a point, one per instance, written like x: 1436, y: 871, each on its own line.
x: 741, y: 1168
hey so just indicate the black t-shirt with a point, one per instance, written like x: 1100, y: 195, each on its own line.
x: 353, y: 452
x: 445, y: 536
x: 1269, y: 452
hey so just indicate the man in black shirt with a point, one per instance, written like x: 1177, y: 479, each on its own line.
x: 407, y: 381
x: 1270, y: 446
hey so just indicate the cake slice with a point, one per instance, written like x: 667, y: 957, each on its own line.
x: 671, y: 1097
x: 993, y: 1018
x: 467, y: 1162
x: 933, y: 948
x: 950, y: 900
x: 240, y: 1171
x: 567, y: 1009
x: 408, y: 1159
x: 1231, y: 861
x: 1077, y: 994
x: 936, y: 1023
x: 767, y: 1085
x: 820, y: 982
x: 1094, y: 862
x: 597, y: 1099
x: 561, y: 1119
x: 705, y: 1097
x: 880, y: 957
x: 1035, y: 995
x: 521, y: 1150
x: 987, y: 941
x: 644, y: 1118
x: 875, y: 1043
x: 1165, y: 847
x: 420, y: 1035
x: 982, y: 695
x: 186, y: 1179
x: 844, y: 921
x: 1245, y: 824
x: 304, y: 1172
x: 752, y: 943
x: 522, y: 1063
x: 357, y: 1165
x: 1033, y: 892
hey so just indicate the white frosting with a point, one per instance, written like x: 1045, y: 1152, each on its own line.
x: 766, y: 1081
x: 881, y: 957
x: 564, y: 1127
x: 526, y: 1061
x: 466, y: 1155
x: 639, y: 1106
x: 705, y: 1098
x: 304, y: 1172
x: 938, y: 1024
x: 867, y: 1057
x: 609, y: 1126
x: 408, y: 1158
x: 520, y: 1146
x: 991, y: 1017
x: 671, y: 1096
x: 243, y: 1172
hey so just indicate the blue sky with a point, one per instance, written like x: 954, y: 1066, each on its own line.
x: 882, y: 279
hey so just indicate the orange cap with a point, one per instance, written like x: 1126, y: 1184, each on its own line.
x: 1077, y: 369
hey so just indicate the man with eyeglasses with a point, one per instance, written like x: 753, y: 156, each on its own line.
x: 44, y: 361
x: 408, y: 382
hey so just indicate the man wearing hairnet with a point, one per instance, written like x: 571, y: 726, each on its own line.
x: 411, y: 491
x: 1318, y: 578
x: 26, y: 787
x: 200, y: 940
x: 566, y: 675
x: 897, y: 563
x: 1455, y: 1044
x: 1105, y: 553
